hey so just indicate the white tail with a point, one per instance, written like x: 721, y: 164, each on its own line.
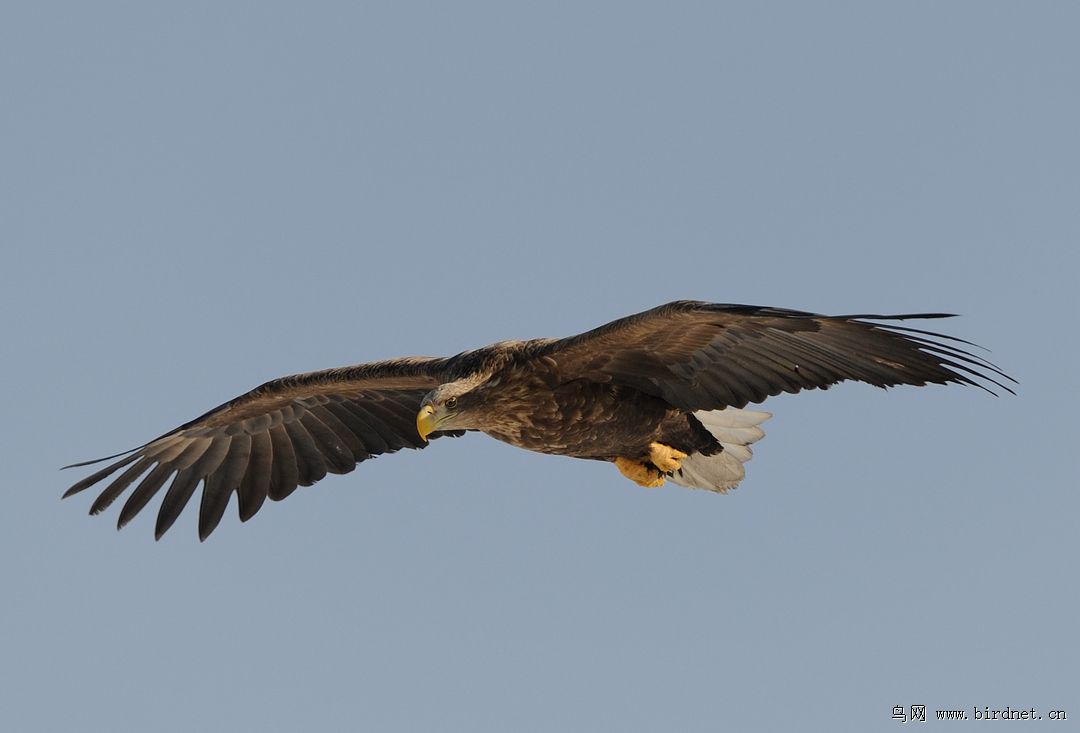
x: 736, y: 430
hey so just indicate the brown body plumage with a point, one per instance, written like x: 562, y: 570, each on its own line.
x: 647, y: 392
x: 584, y: 419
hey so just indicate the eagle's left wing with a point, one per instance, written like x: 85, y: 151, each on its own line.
x: 707, y: 356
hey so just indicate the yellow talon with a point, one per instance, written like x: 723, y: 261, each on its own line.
x: 666, y: 458
x: 639, y: 473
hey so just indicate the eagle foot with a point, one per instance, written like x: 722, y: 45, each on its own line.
x: 639, y: 473
x: 665, y: 458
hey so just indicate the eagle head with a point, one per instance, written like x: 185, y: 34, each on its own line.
x: 444, y: 408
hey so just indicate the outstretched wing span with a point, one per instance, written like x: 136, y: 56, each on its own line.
x: 286, y: 433
x: 706, y: 356
x: 696, y: 356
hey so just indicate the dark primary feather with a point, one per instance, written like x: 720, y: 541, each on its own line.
x: 286, y: 433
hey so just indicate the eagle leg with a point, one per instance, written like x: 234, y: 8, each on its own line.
x: 639, y: 473
x: 666, y: 458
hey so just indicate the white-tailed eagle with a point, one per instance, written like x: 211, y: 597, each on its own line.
x: 660, y: 394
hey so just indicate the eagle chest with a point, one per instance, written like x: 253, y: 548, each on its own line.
x: 576, y: 418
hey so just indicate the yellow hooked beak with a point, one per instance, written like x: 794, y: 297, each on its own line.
x: 425, y: 421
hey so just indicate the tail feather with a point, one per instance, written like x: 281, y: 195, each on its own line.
x: 735, y: 430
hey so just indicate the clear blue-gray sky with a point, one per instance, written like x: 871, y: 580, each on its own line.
x: 198, y: 197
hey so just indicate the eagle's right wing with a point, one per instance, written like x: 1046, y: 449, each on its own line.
x: 288, y: 432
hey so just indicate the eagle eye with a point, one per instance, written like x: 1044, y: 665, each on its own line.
x: 451, y: 403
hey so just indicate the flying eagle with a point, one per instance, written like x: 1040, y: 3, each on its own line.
x: 660, y: 394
